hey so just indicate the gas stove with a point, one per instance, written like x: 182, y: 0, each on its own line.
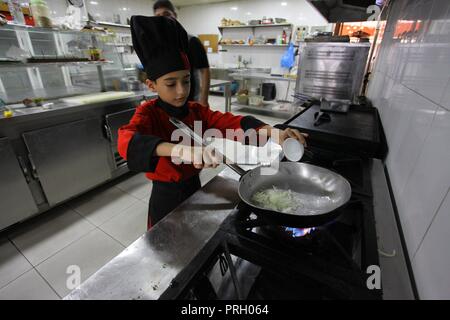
x: 252, y: 258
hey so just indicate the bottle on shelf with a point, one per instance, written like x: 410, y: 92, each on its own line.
x: 16, y: 11
x: 284, y: 37
x: 41, y: 13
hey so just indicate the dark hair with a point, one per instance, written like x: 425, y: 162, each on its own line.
x: 166, y: 4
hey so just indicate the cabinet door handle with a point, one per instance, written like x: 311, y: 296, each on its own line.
x: 33, y: 167
x: 24, y: 169
x: 108, y: 132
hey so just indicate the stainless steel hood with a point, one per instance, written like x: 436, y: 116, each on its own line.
x: 345, y: 10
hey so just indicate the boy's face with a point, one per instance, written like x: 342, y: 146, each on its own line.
x: 172, y: 88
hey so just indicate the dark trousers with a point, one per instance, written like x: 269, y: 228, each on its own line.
x: 166, y: 196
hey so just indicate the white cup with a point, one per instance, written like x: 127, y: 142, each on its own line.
x: 293, y: 149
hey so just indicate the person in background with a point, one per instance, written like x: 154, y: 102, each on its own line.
x: 200, y: 73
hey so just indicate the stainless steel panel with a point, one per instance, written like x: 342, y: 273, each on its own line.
x: 115, y: 120
x: 332, y: 70
x: 16, y: 201
x: 146, y: 268
x: 69, y: 158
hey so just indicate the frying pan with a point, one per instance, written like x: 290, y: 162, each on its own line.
x: 323, y: 191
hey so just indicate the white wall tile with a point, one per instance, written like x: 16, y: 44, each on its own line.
x: 409, y: 122
x: 411, y: 81
x: 428, y: 182
x: 432, y: 261
x: 428, y: 65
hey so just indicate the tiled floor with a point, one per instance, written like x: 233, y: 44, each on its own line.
x: 86, y: 232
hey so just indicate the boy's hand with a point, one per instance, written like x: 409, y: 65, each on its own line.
x: 279, y: 136
x: 293, y: 133
x: 200, y: 157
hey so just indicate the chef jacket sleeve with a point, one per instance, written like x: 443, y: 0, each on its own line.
x: 138, y: 141
x: 224, y: 121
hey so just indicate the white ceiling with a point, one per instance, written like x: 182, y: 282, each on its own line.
x: 184, y: 3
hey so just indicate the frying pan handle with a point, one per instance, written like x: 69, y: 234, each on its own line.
x: 182, y: 126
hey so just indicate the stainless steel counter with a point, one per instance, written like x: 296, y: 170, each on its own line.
x: 395, y: 278
x: 259, y: 76
x: 61, y: 107
x: 41, y: 139
x: 146, y: 268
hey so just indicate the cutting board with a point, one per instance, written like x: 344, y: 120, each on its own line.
x: 99, y: 97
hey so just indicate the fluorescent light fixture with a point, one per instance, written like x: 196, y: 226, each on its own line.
x: 284, y: 4
x: 94, y: 3
x: 234, y: 8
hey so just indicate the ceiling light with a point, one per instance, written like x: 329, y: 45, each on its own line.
x: 249, y: 13
x: 94, y: 3
x: 234, y: 8
x: 284, y: 4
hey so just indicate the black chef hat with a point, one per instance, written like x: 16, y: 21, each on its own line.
x: 161, y: 44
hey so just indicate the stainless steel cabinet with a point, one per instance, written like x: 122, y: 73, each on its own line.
x: 16, y: 201
x: 69, y: 159
x: 113, y: 122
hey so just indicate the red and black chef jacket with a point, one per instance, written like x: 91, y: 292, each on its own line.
x: 150, y: 126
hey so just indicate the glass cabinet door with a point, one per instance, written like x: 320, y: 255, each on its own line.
x: 60, y: 64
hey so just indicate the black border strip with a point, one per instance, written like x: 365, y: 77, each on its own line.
x: 402, y: 237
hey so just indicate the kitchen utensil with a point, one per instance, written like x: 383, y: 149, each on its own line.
x: 324, y: 191
x: 293, y: 149
x: 267, y: 21
x: 269, y: 91
x: 255, y: 100
x: 254, y: 22
x: 189, y: 132
x: 280, y: 20
x: 242, y: 99
x: 333, y: 106
x: 321, y: 117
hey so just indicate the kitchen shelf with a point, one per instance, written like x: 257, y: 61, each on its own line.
x: 110, y: 24
x: 9, y: 64
x: 14, y: 26
x: 119, y: 44
x: 254, y: 45
x: 259, y: 76
x: 257, y: 26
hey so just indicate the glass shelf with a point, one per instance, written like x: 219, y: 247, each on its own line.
x: 15, y: 64
x: 257, y: 26
x: 69, y: 64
